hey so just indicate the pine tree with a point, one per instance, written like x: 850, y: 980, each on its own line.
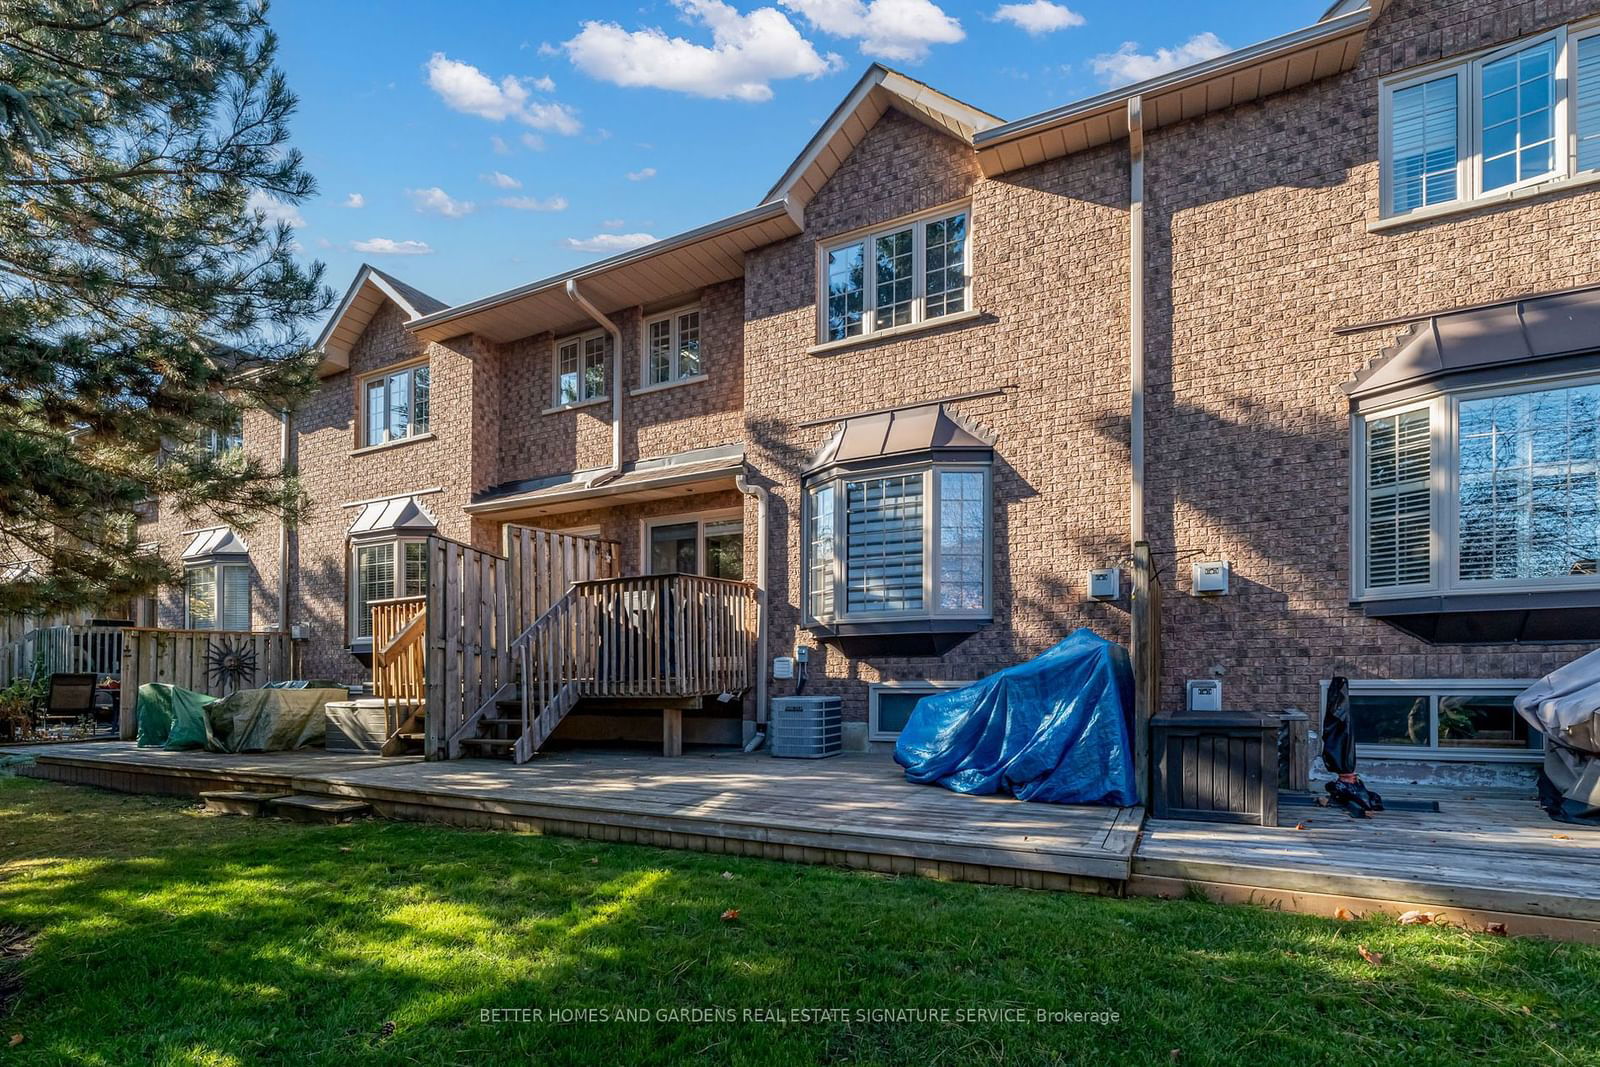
x: 146, y: 298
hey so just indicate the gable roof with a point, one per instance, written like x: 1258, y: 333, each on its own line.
x: 878, y: 90
x: 361, y: 301
x: 1330, y: 46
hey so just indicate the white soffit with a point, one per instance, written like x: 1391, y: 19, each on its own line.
x: 398, y: 515
x: 877, y: 91
x: 1329, y: 47
x: 361, y: 302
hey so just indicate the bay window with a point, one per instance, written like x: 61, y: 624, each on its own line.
x: 1484, y: 490
x: 383, y: 570
x: 395, y: 405
x: 217, y: 596
x: 910, y: 272
x: 1490, y: 123
x: 580, y: 368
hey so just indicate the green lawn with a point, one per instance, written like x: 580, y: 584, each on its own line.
x: 162, y: 935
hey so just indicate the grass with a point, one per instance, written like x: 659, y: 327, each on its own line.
x: 162, y: 935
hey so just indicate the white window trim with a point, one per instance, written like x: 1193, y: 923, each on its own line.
x: 700, y: 518
x: 930, y: 545
x: 865, y: 237
x: 580, y: 339
x: 353, y: 577
x: 362, y: 443
x: 674, y: 376
x: 222, y: 444
x: 217, y: 565
x: 1468, y: 70
x: 1433, y: 688
x: 877, y: 689
x: 1445, y: 483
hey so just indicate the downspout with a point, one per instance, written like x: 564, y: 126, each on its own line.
x: 284, y: 626
x: 762, y: 501
x: 1136, y: 318
x: 610, y: 327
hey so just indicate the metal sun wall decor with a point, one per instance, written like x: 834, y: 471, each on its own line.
x: 230, y: 663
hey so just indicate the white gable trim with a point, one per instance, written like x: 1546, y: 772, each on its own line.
x: 351, y: 317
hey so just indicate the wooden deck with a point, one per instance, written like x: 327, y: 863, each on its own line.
x: 1479, y: 860
x: 854, y: 810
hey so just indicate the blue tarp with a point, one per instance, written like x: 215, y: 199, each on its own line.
x: 1056, y: 729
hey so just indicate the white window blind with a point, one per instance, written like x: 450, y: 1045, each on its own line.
x: 1588, y: 110
x: 235, y: 614
x: 202, y: 596
x: 884, y: 544
x: 1399, y: 500
x: 1423, y: 144
x: 374, y: 581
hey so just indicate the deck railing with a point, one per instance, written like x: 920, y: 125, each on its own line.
x: 64, y: 649
x: 399, y: 637
x: 671, y: 635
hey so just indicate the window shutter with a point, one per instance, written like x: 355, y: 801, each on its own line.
x: 235, y: 598
x: 1588, y: 110
x: 884, y: 538
x: 1399, y: 500
x: 1423, y: 151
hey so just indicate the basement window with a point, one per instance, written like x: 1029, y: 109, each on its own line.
x: 1442, y: 719
x: 890, y: 704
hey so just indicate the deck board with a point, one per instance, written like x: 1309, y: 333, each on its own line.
x: 856, y: 805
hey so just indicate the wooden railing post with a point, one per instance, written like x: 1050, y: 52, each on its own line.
x: 1145, y: 655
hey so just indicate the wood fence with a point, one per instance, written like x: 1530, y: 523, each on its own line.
x: 63, y: 649
x: 479, y: 603
x: 216, y: 662
x: 1146, y: 660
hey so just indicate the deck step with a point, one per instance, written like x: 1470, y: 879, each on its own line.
x: 303, y: 807
x: 238, y: 802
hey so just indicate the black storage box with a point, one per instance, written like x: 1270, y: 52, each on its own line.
x: 1215, y: 766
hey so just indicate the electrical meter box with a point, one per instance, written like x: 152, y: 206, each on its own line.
x: 1205, y: 695
x: 1105, y: 584
x: 1211, y: 579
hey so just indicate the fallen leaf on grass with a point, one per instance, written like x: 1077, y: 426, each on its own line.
x: 731, y: 915
x: 16, y: 1039
x: 1346, y: 914
x: 1374, y: 958
x: 1416, y: 918
x: 727, y: 874
x: 1175, y: 1055
x: 1497, y: 929
x: 345, y: 848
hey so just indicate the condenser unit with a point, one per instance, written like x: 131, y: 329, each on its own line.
x: 806, y: 727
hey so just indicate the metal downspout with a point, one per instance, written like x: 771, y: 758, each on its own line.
x: 1136, y: 318
x: 284, y: 437
x: 762, y: 502
x: 610, y: 327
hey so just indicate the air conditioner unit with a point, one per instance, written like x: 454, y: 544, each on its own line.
x: 806, y: 727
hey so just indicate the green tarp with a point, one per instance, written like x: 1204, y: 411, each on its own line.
x: 251, y: 720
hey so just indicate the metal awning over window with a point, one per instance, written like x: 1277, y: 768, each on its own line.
x: 397, y: 515
x: 1488, y: 344
x: 892, y: 436
x: 218, y: 542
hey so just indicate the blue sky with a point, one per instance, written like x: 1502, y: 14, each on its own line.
x: 474, y: 146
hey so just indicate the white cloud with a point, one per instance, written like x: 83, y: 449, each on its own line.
x: 612, y: 224
x: 746, y: 55
x: 901, y: 30
x: 642, y: 175
x: 499, y: 145
x: 609, y: 242
x: 544, y: 83
x: 533, y: 141
x: 1038, y: 16
x: 274, y: 209
x: 383, y: 246
x: 501, y: 180
x: 469, y: 90
x: 439, y: 202
x: 1128, y: 64
x: 355, y: 200
x: 533, y: 203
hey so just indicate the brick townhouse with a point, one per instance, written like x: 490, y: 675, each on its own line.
x: 1323, y: 309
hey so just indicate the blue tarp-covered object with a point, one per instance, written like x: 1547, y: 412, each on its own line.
x: 1056, y: 729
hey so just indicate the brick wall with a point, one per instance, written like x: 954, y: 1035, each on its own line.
x: 1258, y: 250
x: 1049, y: 251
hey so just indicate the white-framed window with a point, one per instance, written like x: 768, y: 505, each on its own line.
x: 217, y: 596
x: 710, y: 544
x: 224, y: 442
x: 672, y: 347
x: 579, y: 368
x: 914, y: 270
x: 1481, y: 125
x: 1442, y: 719
x: 383, y: 569
x: 394, y: 405
x: 904, y: 542
x: 889, y: 705
x: 1488, y: 489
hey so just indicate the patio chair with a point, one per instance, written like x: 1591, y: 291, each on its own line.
x: 70, y: 699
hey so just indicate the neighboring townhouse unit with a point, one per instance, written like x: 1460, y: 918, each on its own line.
x: 1326, y: 308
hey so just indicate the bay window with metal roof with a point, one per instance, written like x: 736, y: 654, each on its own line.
x: 388, y: 559
x: 898, y: 528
